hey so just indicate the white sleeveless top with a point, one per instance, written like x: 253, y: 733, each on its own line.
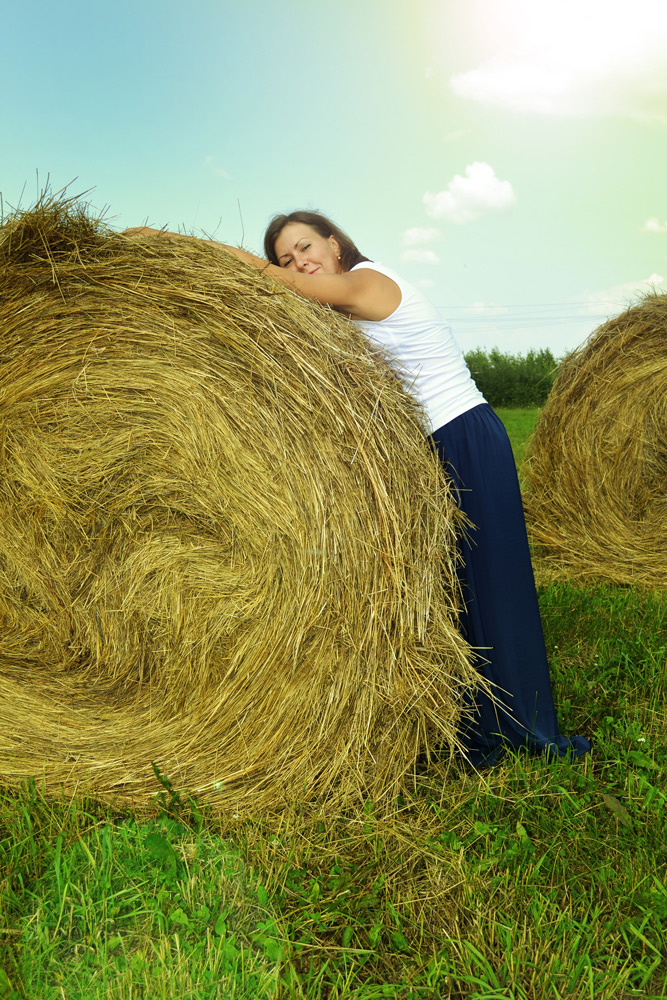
x: 430, y: 360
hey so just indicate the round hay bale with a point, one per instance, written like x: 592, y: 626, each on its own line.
x: 224, y: 547
x: 596, y: 467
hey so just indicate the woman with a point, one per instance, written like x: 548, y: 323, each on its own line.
x: 501, y: 620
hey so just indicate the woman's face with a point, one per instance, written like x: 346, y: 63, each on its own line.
x: 299, y: 247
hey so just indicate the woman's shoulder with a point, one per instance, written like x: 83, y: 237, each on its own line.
x: 377, y: 292
x: 411, y: 296
x: 405, y: 285
x: 373, y: 265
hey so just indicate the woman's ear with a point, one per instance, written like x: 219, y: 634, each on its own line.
x: 335, y: 246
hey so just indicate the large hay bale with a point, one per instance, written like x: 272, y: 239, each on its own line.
x: 596, y: 467
x: 224, y: 546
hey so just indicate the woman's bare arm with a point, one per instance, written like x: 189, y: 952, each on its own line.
x: 365, y: 294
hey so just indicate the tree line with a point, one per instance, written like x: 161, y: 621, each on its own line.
x: 513, y: 379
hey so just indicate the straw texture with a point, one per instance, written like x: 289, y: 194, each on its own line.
x: 224, y: 546
x: 596, y: 468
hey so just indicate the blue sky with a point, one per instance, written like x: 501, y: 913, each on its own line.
x: 508, y: 155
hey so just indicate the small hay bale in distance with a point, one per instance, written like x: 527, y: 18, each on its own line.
x: 596, y: 467
x: 224, y: 547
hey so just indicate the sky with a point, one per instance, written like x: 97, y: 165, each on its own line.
x: 506, y: 155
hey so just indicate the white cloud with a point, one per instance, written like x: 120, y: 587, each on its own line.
x: 621, y: 297
x: 466, y: 198
x: 576, y: 57
x: 654, y: 225
x: 511, y: 81
x: 419, y: 255
x: 418, y: 235
x: 218, y: 171
x: 426, y: 283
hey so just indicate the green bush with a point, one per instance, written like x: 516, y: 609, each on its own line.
x: 513, y: 379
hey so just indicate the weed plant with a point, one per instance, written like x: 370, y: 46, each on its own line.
x: 534, y: 880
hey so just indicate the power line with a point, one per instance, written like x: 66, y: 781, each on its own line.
x: 526, y: 315
x: 490, y: 321
x: 540, y: 305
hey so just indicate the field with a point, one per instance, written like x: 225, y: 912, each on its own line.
x: 519, y: 425
x: 534, y: 880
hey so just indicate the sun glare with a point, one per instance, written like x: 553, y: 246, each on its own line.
x: 574, y: 57
x: 572, y: 29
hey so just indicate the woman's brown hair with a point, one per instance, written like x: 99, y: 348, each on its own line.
x: 349, y: 254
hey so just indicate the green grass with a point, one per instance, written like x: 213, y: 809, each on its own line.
x: 519, y: 425
x: 533, y: 880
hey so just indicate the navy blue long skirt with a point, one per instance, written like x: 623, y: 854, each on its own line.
x: 501, y: 618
